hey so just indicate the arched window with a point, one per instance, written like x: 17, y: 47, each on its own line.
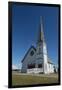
x: 32, y: 53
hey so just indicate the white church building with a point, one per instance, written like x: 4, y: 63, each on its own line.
x: 36, y: 59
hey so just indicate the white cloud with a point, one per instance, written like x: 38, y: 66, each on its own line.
x: 14, y: 67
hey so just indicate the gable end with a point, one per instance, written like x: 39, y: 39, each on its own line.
x: 28, y: 52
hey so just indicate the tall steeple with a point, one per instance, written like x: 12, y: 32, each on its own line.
x: 40, y: 32
x: 41, y: 49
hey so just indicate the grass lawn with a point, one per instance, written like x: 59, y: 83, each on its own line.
x: 31, y: 79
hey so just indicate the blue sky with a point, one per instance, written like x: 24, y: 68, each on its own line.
x: 25, y: 26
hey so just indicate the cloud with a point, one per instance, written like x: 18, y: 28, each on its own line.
x: 14, y: 67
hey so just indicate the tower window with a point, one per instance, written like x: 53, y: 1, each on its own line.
x: 39, y: 50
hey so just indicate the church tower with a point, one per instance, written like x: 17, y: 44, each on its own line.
x: 41, y: 50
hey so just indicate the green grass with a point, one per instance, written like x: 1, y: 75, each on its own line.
x: 30, y: 80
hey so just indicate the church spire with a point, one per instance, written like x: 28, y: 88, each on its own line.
x: 40, y: 32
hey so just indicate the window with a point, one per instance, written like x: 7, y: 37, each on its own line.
x: 39, y: 65
x: 39, y: 50
x: 30, y: 66
x: 32, y: 53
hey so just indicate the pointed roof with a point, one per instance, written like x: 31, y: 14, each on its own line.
x: 40, y: 32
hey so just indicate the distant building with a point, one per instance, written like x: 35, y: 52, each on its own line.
x: 36, y: 59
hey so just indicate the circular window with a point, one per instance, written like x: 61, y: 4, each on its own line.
x: 32, y: 53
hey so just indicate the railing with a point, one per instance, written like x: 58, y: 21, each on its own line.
x: 35, y: 70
